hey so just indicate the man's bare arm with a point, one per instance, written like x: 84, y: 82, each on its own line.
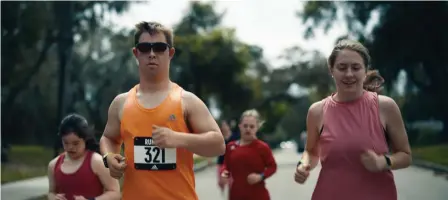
x: 111, y: 142
x: 208, y: 140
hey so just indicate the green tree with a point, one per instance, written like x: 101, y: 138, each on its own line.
x: 409, y: 36
x: 212, y: 62
x: 31, y: 31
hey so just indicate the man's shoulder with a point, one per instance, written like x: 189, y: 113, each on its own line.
x: 188, y: 96
x: 190, y: 101
x: 121, y: 98
x: 118, y: 102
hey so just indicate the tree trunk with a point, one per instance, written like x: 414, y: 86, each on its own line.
x: 64, y: 15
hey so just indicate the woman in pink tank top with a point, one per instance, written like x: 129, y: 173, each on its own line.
x: 79, y: 172
x: 349, y: 131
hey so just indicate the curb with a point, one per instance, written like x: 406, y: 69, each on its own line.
x: 429, y: 165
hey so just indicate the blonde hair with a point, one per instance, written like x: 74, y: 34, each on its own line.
x: 253, y: 113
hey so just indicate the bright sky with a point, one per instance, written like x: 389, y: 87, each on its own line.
x: 272, y: 25
x: 269, y: 24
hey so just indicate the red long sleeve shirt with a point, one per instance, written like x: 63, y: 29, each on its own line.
x: 241, y: 161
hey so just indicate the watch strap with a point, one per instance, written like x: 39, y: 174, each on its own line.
x: 388, y: 162
x: 105, y: 160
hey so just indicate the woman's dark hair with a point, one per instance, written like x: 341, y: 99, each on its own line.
x: 77, y: 124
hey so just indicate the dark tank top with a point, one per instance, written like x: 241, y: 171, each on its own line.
x: 84, y: 182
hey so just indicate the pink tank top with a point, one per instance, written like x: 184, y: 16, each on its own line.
x: 84, y: 182
x: 349, y: 129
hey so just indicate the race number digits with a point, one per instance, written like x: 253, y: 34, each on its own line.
x: 147, y: 156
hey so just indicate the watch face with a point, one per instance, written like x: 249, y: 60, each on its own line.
x: 388, y: 161
x: 105, y: 161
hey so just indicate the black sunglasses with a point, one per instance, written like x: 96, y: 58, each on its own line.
x: 157, y: 47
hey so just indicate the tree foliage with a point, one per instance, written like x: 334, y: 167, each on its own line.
x: 409, y: 37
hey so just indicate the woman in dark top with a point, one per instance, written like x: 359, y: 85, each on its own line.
x: 79, y: 172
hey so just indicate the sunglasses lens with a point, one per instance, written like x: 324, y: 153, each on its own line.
x: 144, y: 47
x: 159, y: 47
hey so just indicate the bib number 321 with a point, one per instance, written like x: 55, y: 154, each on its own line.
x: 147, y: 156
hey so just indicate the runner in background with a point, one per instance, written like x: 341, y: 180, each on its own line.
x: 79, y: 173
x: 234, y: 129
x: 301, y: 142
x: 249, y: 161
x: 227, y: 133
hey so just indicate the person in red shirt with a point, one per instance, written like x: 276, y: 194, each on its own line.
x: 79, y: 173
x: 249, y: 161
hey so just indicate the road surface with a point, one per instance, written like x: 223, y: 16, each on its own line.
x: 412, y: 183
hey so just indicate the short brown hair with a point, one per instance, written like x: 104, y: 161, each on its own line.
x: 373, y: 80
x: 153, y: 28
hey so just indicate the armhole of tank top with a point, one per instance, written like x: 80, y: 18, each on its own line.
x: 386, y: 135
x: 58, y: 162
x: 90, y: 161
x: 324, y: 107
x: 128, y: 100
x: 184, y: 113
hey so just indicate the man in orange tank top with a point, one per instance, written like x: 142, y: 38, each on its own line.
x: 160, y: 124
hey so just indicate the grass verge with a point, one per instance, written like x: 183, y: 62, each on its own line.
x: 435, y: 153
x: 26, y: 162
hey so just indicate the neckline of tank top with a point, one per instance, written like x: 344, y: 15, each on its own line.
x: 140, y: 106
x: 346, y: 103
x: 80, y: 166
x: 238, y: 143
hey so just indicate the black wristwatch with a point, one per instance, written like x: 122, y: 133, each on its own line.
x: 93, y: 198
x: 299, y: 163
x: 105, y: 162
x: 388, y: 162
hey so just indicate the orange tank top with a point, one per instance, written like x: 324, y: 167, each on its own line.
x: 152, y: 172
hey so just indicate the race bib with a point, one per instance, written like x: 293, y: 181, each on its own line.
x: 147, y: 156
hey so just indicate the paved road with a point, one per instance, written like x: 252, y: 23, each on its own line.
x: 412, y: 183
